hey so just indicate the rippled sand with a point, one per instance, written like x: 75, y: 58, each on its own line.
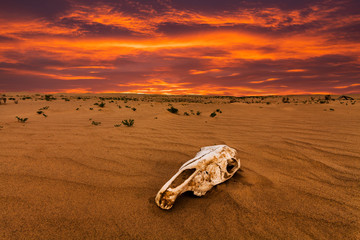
x: 63, y: 178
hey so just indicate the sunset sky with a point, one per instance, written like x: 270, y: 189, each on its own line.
x: 213, y: 47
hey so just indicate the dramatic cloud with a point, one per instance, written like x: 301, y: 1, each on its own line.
x: 180, y: 47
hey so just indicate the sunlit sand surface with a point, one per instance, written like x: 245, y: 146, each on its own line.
x: 62, y: 177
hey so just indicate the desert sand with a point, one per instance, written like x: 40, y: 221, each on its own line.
x: 62, y: 177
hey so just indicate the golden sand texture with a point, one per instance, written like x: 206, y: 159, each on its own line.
x: 62, y: 177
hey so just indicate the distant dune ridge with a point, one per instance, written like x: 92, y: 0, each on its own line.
x: 74, y: 170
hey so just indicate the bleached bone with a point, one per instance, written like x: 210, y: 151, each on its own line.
x: 211, y: 166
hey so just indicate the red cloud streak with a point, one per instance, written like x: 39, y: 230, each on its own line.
x: 167, y: 49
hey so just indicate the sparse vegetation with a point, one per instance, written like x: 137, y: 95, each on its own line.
x: 213, y: 114
x: 49, y: 97
x: 117, y: 125
x: 134, y: 109
x: 44, y: 115
x: 128, y: 123
x: 102, y: 104
x: 173, y: 110
x: 186, y: 114
x: 331, y: 109
x: 95, y: 123
x: 44, y: 108
x: 218, y: 110
x: 91, y: 109
x: 39, y: 112
x: 198, y: 113
x: 22, y: 120
x: 343, y: 97
x: 287, y: 100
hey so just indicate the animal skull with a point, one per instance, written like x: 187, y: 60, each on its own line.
x: 211, y: 166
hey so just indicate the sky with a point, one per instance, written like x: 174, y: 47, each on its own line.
x: 207, y: 47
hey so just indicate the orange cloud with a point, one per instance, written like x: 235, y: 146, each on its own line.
x: 296, y: 70
x: 267, y: 80
x: 53, y: 76
x: 195, y: 72
x: 351, y: 85
x: 215, y: 52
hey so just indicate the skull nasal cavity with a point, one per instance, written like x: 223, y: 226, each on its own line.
x: 232, y: 165
x: 182, y: 177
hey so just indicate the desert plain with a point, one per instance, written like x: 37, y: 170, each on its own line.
x: 72, y: 170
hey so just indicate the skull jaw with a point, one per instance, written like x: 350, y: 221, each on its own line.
x: 199, y: 175
x: 166, y: 199
x: 199, y: 183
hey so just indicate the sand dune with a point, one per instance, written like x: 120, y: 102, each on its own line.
x: 63, y: 178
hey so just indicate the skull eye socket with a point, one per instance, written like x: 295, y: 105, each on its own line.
x: 182, y: 177
x: 232, y: 165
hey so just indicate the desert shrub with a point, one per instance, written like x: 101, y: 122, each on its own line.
x: 186, y: 114
x: 96, y: 103
x: 331, y: 109
x: 218, y: 110
x: 119, y: 106
x: 49, y: 97
x: 134, y: 109
x: 95, y: 123
x: 91, y: 109
x: 44, y: 115
x: 327, y: 97
x: 285, y: 100
x: 44, y: 108
x: 213, y: 114
x: 117, y: 125
x: 39, y: 112
x: 127, y: 106
x: 102, y: 104
x: 77, y: 109
x: 198, y: 113
x: 22, y: 120
x: 128, y: 123
x: 16, y: 101
x: 173, y: 110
